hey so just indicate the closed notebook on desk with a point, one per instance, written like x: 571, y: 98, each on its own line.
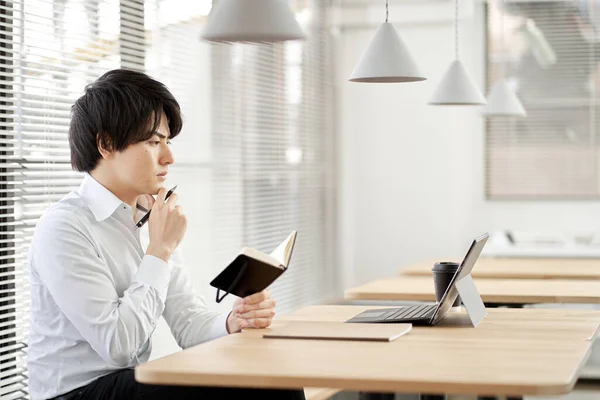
x: 339, y: 331
x: 252, y: 271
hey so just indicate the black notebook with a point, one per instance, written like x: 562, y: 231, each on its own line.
x: 252, y: 271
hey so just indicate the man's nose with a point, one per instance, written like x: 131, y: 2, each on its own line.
x: 167, y: 155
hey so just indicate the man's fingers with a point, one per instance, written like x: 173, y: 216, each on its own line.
x: 172, y: 200
x: 254, y: 323
x: 244, y: 308
x: 267, y: 313
x: 257, y: 297
x: 261, y: 322
x: 160, y: 197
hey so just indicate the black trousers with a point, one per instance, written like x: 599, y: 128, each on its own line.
x: 121, y: 385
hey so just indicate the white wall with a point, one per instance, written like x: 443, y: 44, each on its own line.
x: 412, y: 175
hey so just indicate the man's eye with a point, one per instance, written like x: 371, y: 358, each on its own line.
x: 155, y: 142
x: 168, y: 142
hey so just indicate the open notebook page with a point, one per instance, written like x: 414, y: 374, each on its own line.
x: 283, y: 252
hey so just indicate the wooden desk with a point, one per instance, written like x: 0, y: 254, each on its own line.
x: 521, y: 268
x: 512, y: 352
x: 502, y: 291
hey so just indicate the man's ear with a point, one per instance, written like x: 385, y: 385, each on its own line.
x: 104, y: 146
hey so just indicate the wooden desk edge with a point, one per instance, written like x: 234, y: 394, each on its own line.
x: 148, y: 376
x: 310, y: 393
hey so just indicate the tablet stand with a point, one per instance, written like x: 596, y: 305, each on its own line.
x: 471, y: 299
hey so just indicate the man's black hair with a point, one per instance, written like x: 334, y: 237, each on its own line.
x: 120, y: 108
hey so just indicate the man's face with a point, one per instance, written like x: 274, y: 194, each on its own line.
x: 142, y: 167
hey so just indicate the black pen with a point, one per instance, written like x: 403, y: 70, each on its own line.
x: 142, y: 221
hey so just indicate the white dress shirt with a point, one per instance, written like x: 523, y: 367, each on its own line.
x: 96, y: 297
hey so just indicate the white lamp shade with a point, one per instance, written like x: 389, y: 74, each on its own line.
x: 457, y: 88
x: 257, y: 21
x: 503, y: 101
x: 386, y: 59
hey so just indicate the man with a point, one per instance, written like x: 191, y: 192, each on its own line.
x: 96, y: 292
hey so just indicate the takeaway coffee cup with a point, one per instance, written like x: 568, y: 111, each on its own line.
x: 443, y: 272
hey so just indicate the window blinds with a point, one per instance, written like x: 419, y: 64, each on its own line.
x: 49, y: 50
x: 272, y: 152
x: 255, y: 154
x: 551, y: 56
x: 259, y: 153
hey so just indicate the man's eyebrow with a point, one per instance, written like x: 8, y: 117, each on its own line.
x: 160, y: 135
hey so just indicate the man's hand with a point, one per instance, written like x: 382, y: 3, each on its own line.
x: 166, y: 224
x: 254, y: 311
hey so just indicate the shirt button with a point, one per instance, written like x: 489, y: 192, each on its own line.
x: 152, y: 323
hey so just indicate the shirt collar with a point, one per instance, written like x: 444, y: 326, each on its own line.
x: 101, y: 201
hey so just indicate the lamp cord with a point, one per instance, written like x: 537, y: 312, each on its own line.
x: 456, y: 28
x: 502, y: 26
x: 502, y: 62
x: 387, y: 10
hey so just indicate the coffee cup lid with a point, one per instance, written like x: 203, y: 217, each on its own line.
x: 444, y: 266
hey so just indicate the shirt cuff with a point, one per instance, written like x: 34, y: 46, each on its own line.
x: 219, y: 327
x: 155, y: 272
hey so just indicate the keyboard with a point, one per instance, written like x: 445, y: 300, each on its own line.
x: 419, y: 311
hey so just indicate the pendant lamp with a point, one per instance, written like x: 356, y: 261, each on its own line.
x: 386, y: 59
x: 502, y: 100
x: 259, y: 21
x: 457, y: 87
